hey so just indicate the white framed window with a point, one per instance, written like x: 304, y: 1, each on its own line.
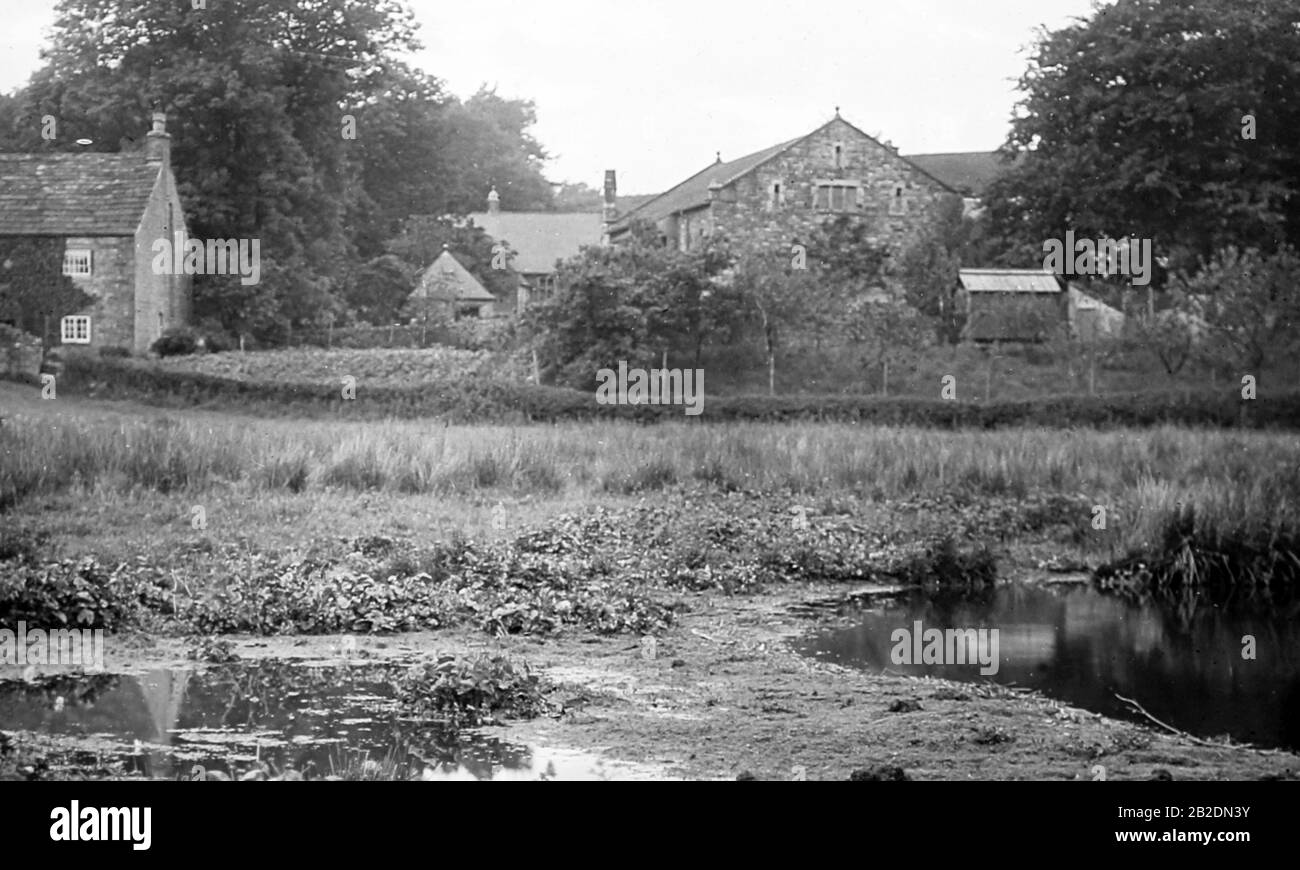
x: 76, y: 262
x: 835, y: 196
x: 76, y: 329
x: 898, y: 200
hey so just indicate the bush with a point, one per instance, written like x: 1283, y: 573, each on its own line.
x: 177, y: 341
x: 215, y: 338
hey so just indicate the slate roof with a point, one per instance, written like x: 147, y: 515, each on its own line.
x: 539, y: 238
x: 694, y: 191
x: 74, y: 194
x: 969, y: 172
x: 468, y: 288
x: 1008, y: 281
x: 630, y: 203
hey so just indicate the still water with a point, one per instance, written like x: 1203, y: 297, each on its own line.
x: 1184, y: 665
x: 313, y: 719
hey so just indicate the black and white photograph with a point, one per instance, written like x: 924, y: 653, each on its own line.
x: 400, y: 390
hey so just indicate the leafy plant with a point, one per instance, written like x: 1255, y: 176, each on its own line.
x: 470, y: 692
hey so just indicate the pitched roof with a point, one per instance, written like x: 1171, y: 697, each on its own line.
x: 1008, y: 281
x: 628, y: 203
x: 60, y: 194
x: 694, y: 191
x: 539, y: 238
x: 969, y: 172
x: 447, y: 268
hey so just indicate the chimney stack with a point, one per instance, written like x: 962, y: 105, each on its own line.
x: 158, y: 143
x: 494, y: 201
x: 611, y: 196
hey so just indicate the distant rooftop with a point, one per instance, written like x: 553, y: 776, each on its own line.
x: 540, y: 238
x: 969, y: 171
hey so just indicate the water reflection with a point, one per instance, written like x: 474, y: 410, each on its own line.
x: 308, y: 718
x: 1184, y: 665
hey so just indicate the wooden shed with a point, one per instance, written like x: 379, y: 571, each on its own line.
x: 1025, y: 305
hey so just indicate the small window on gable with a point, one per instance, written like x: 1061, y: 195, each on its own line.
x: 839, y: 155
x: 898, y: 201
x: 777, y: 197
x: 76, y: 262
x: 76, y: 330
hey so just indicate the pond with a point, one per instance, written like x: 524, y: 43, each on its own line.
x: 317, y: 719
x: 1073, y: 643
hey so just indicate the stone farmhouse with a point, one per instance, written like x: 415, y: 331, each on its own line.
x: 109, y: 209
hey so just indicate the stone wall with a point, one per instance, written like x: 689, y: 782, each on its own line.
x: 162, y: 301
x: 748, y: 210
x: 111, y: 282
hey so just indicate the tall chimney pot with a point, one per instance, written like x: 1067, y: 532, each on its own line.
x: 158, y: 142
x: 610, y: 208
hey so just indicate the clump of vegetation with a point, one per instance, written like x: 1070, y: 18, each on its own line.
x: 177, y: 341
x: 67, y: 594
x: 1238, y: 564
x: 469, y: 692
x: 213, y: 650
x: 537, y: 585
x: 946, y: 565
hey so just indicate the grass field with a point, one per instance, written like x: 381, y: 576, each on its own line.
x: 1127, y: 490
x: 564, y: 546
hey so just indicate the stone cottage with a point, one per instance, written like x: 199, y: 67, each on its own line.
x: 109, y: 209
x: 447, y: 283
x: 782, y: 193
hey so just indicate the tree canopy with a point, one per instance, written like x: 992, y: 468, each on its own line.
x: 1174, y: 120
x: 292, y: 121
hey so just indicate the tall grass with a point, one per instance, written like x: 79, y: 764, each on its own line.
x: 1213, y: 485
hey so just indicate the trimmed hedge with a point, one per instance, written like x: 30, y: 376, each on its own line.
x: 489, y: 400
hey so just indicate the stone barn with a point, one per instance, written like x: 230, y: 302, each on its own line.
x: 782, y: 193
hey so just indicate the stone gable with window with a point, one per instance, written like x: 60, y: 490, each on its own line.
x: 778, y: 196
x: 109, y: 209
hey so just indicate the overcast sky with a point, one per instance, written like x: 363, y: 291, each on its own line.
x: 653, y: 88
